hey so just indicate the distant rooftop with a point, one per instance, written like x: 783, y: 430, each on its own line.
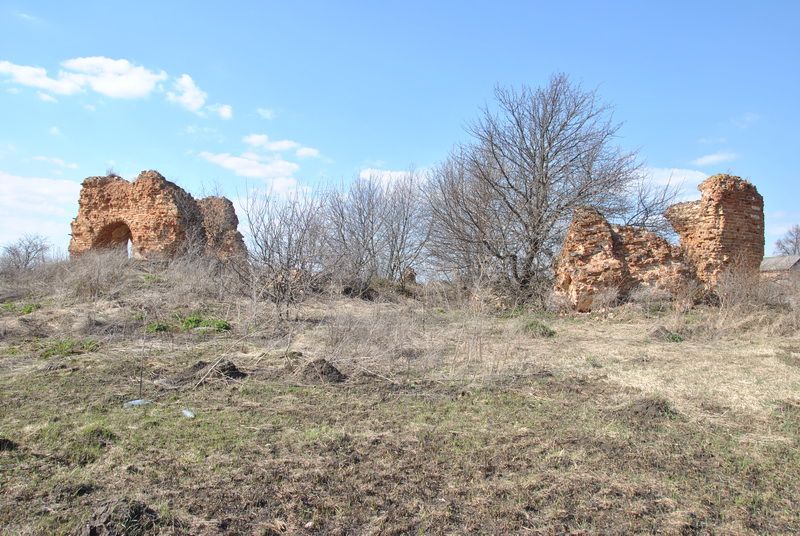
x: 782, y: 263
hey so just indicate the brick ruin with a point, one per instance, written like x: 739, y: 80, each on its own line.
x: 723, y: 229
x: 156, y: 216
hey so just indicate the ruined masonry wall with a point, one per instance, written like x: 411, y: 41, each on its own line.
x: 597, y: 256
x: 156, y: 215
x: 724, y: 229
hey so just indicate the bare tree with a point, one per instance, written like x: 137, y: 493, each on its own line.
x: 406, y: 225
x: 789, y: 244
x: 27, y: 252
x: 286, y: 247
x: 501, y: 203
x: 356, y: 229
x: 378, y: 226
x: 646, y: 202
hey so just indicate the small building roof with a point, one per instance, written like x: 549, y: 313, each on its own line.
x: 782, y: 263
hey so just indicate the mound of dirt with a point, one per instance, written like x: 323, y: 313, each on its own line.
x: 320, y: 371
x: 201, y: 373
x: 650, y: 408
x: 123, y: 517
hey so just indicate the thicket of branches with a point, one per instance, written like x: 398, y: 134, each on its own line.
x: 494, y: 210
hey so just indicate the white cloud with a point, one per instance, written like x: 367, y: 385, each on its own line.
x: 112, y: 78
x: 13, y: 90
x: 715, y: 158
x: 46, y: 97
x: 36, y: 77
x: 57, y: 161
x: 194, y: 130
x: 90, y: 107
x: 712, y: 141
x: 266, y: 113
x: 384, y: 176
x: 54, y: 131
x: 27, y: 17
x: 118, y: 79
x: 34, y: 205
x: 253, y: 165
x: 307, y: 152
x: 224, y: 111
x: 776, y: 223
x: 187, y: 94
x: 745, y: 120
x: 686, y: 180
x: 262, y: 141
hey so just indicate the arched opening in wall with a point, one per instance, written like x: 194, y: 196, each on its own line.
x: 115, y: 236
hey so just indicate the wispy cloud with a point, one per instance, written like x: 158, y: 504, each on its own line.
x: 686, y: 180
x: 252, y: 165
x: 712, y: 141
x: 715, y: 158
x: 46, y: 97
x: 266, y: 113
x: 36, y: 205
x: 274, y: 170
x: 383, y: 176
x: 745, y: 120
x: 113, y: 78
x: 262, y: 141
x: 307, y: 152
x: 187, y: 94
x: 27, y: 17
x: 54, y: 131
x: 56, y: 161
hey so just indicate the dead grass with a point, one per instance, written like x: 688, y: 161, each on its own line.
x: 450, y: 420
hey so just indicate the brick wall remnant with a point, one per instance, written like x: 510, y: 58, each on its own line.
x: 724, y: 229
x: 597, y: 256
x: 157, y: 216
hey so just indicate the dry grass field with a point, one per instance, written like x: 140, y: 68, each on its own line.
x: 448, y: 418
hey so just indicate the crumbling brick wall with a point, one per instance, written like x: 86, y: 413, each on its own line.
x: 155, y: 215
x: 597, y: 256
x: 724, y: 229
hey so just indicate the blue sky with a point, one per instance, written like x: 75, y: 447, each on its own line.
x: 277, y: 95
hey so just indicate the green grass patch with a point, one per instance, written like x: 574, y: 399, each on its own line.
x: 20, y: 308
x: 66, y: 347
x: 196, y: 320
x: 539, y: 330
x: 157, y: 327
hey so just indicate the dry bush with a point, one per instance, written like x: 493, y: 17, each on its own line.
x: 751, y: 303
x: 96, y: 274
x: 606, y: 298
x: 387, y: 337
x: 651, y: 300
x: 557, y: 302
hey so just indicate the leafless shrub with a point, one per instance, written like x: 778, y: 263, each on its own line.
x: 605, y: 298
x: 288, y: 258
x: 557, y: 302
x: 651, y: 299
x: 377, y: 227
x: 741, y: 288
x: 96, y: 274
x: 789, y: 244
x: 26, y: 253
